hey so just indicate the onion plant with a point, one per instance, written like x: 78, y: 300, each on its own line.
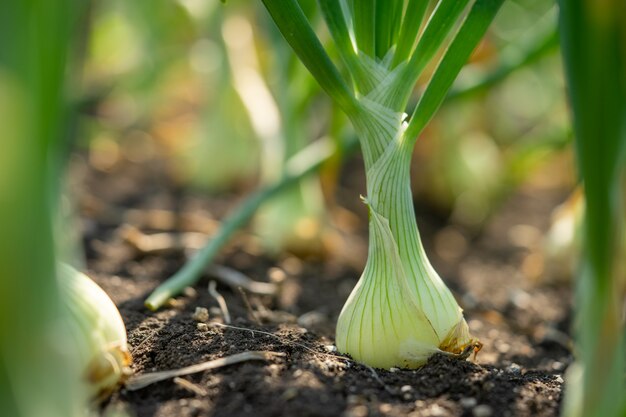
x: 400, y: 312
x: 215, y: 133
x: 62, y: 340
x: 277, y: 93
x: 309, y: 160
x: 593, y: 39
x: 37, y: 372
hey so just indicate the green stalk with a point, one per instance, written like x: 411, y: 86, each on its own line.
x: 389, y: 195
x: 37, y: 373
x: 440, y: 24
x: 411, y: 22
x: 471, y: 32
x: 364, y: 20
x: 388, y: 16
x: 298, y: 32
x: 338, y: 27
x: 375, y: 137
x: 593, y: 39
x: 400, y: 298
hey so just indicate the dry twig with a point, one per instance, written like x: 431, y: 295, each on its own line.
x: 236, y: 279
x: 163, y: 242
x: 190, y: 386
x: 142, y: 381
x: 251, y: 312
x: 220, y: 301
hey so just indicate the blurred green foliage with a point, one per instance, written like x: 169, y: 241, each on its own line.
x: 176, y: 80
x: 487, y: 141
x: 161, y: 79
x: 37, y: 376
x: 594, y: 51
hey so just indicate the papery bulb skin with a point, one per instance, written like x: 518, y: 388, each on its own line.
x: 401, y: 312
x: 382, y: 324
x: 97, y: 330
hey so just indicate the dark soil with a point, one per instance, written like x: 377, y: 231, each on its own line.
x: 497, y: 275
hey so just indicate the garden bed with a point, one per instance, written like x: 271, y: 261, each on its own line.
x: 522, y: 320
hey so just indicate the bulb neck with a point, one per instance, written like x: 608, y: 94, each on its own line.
x: 389, y: 194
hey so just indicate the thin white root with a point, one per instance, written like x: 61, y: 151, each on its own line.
x: 142, y: 381
x: 190, y: 386
x: 163, y: 242
x: 236, y: 279
x: 220, y: 301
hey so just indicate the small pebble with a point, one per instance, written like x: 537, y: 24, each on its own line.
x: 559, y: 379
x: 437, y: 411
x: 520, y: 299
x: 310, y: 319
x: 276, y: 275
x: 502, y: 347
x: 292, y: 265
x: 557, y: 366
x: 514, y: 368
x: 190, y: 292
x: 356, y: 411
x: 201, y: 315
x: 354, y: 399
x: 468, y: 402
x: 394, y: 369
x: 482, y: 410
x: 406, y: 388
x: 330, y: 348
x: 174, y: 303
x: 290, y: 393
x: 203, y: 327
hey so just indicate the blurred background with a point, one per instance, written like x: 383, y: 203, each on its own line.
x: 182, y: 109
x: 212, y: 95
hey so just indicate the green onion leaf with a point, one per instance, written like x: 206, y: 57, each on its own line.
x: 471, y: 32
x: 593, y: 39
x: 415, y: 11
x: 338, y: 27
x: 441, y: 23
x: 296, y: 29
x: 388, y: 18
x: 363, y: 19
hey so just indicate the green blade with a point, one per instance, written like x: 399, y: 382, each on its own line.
x: 388, y: 16
x: 443, y: 20
x: 297, y: 31
x: 413, y: 17
x: 593, y: 45
x: 363, y: 18
x: 37, y: 360
x: 469, y: 35
x: 338, y: 27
